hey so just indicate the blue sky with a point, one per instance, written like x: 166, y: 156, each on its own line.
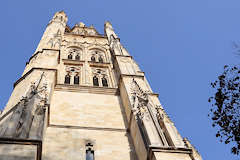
x: 181, y: 45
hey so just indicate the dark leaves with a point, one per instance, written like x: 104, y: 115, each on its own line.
x: 225, y: 110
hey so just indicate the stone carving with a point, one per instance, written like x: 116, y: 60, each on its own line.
x: 99, y: 72
x: 98, y: 56
x: 139, y: 101
x: 126, y: 66
x: 27, y: 118
x: 115, y: 45
x: 75, y: 52
x: 159, y: 112
x: 55, y: 41
x: 80, y: 29
x: 59, y: 17
x: 165, y: 122
x: 73, y: 70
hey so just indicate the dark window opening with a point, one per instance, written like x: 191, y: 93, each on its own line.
x: 67, y: 79
x: 93, y: 59
x: 76, y: 79
x: 95, y: 81
x: 69, y: 56
x: 104, y: 82
x: 89, y: 152
x: 100, y: 59
x: 77, y: 57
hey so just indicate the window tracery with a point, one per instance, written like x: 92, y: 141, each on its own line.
x: 98, y: 56
x: 100, y: 77
x: 74, y: 52
x: 72, y: 73
x: 89, y: 151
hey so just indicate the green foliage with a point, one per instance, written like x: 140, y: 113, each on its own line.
x: 225, y: 110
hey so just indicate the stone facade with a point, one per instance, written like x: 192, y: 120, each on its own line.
x: 82, y: 96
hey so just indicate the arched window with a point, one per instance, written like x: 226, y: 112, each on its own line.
x: 77, y: 57
x: 76, y: 79
x: 93, y: 59
x: 89, y: 152
x: 67, y: 79
x: 100, y: 59
x: 70, y: 56
x: 104, y: 82
x: 95, y: 81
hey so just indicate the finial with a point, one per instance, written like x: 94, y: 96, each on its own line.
x: 81, y: 24
x: 108, y: 24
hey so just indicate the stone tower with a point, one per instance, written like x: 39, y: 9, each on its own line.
x: 83, y: 97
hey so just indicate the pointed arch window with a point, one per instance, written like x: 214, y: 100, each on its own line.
x: 89, y: 152
x: 95, y: 81
x: 100, y: 59
x: 104, y: 82
x: 67, y: 79
x: 70, y: 56
x: 77, y: 57
x: 76, y: 79
x: 93, y: 59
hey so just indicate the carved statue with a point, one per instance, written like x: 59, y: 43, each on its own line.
x: 140, y: 101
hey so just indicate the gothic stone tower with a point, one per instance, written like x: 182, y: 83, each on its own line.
x: 83, y: 97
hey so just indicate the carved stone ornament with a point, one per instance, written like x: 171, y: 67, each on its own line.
x: 139, y: 101
x: 115, y: 45
x: 27, y: 118
x: 55, y: 41
x: 159, y: 112
x: 73, y: 70
x: 99, y: 72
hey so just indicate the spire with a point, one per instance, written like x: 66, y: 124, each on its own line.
x: 108, y: 29
x: 60, y: 17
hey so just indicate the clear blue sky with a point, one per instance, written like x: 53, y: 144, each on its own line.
x: 181, y: 45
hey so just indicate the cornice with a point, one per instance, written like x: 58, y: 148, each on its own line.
x: 87, y: 89
x: 19, y: 141
x: 30, y: 71
x: 98, y: 64
x: 170, y: 149
x: 123, y: 56
x: 35, y: 54
x: 88, y: 128
x: 84, y: 36
x: 73, y: 62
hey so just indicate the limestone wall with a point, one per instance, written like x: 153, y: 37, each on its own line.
x: 86, y: 110
x: 17, y: 152
x: 69, y: 144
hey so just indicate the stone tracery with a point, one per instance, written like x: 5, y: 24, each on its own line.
x: 74, y: 53
x: 97, y: 56
x: 100, y: 77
